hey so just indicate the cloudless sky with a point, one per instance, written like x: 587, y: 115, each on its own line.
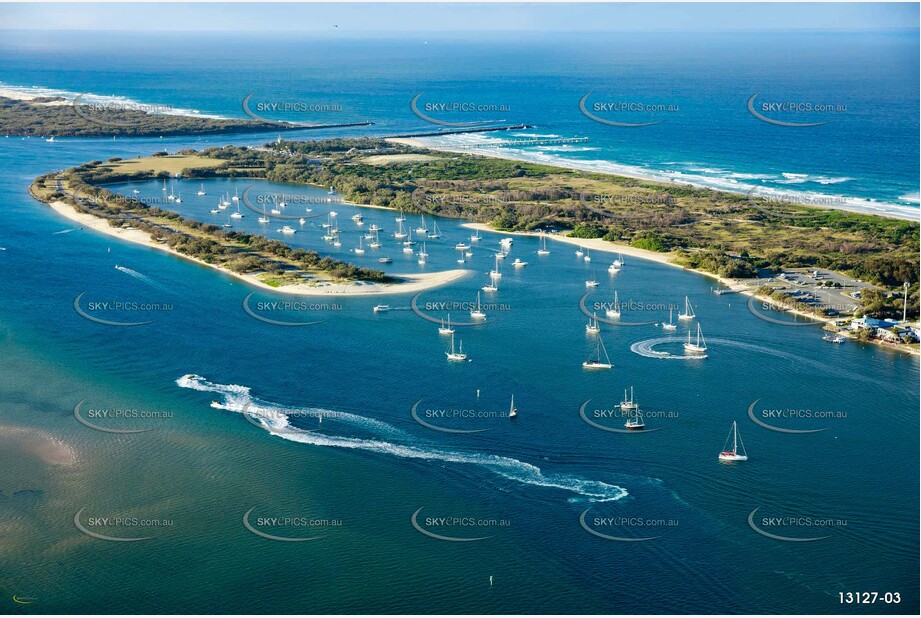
x: 351, y: 18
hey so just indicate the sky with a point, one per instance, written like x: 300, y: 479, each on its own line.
x: 354, y: 18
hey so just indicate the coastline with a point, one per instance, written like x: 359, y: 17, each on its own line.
x: 896, y: 211
x: 411, y: 282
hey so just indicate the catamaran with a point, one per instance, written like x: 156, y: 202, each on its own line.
x: 422, y: 229
x: 477, y: 314
x: 456, y: 355
x: 202, y: 190
x: 670, y: 325
x: 543, y: 246
x: 592, y: 327
x: 445, y: 329
x: 688, y: 311
x: 512, y: 410
x: 614, y: 310
x: 696, y: 348
x: 596, y: 362
x: 734, y: 454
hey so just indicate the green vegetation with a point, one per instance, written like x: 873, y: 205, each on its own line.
x: 59, y: 117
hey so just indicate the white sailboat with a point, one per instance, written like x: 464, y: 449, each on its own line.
x: 580, y: 252
x: 375, y: 242
x: 264, y: 218
x: 435, y: 233
x: 179, y: 198
x: 495, y: 273
x: 238, y: 214
x: 477, y: 314
x: 738, y: 449
x: 423, y: 253
x: 636, y: 421
x: 592, y: 327
x: 670, y: 325
x: 696, y: 348
x: 399, y: 234
x: 492, y: 286
x: 445, y: 329
x: 596, y: 362
x: 512, y: 410
x: 593, y: 282
x: 543, y: 246
x: 688, y: 311
x: 236, y: 197
x: 422, y: 229
x: 629, y: 404
x: 401, y: 218
x: 359, y: 250
x: 614, y: 310
x: 201, y: 191
x: 475, y: 237
x: 456, y: 355
x: 588, y: 255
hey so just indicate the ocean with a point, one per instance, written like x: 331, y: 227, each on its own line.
x: 334, y: 431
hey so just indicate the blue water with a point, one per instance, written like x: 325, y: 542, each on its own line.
x: 865, y: 154
x: 369, y: 462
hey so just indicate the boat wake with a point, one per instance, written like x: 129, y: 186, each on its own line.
x: 646, y: 348
x: 138, y: 275
x: 67, y: 231
x: 276, y: 420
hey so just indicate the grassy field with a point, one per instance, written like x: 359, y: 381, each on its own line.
x: 172, y: 164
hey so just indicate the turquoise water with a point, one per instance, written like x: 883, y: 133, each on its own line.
x: 369, y: 466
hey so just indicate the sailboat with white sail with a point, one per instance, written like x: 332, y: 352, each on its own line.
x: 435, y: 233
x: 592, y: 327
x: 669, y: 325
x: 543, y: 246
x: 201, y: 191
x: 359, y: 250
x: 512, y: 410
x: 446, y: 329
x: 423, y: 228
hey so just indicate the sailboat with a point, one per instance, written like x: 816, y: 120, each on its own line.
x: 593, y: 282
x: 636, y: 421
x: 423, y: 254
x: 670, y: 325
x: 614, y: 310
x: 596, y: 363
x: 543, y: 246
x: 592, y: 327
x: 236, y: 197
x: 435, y: 233
x: 734, y: 455
x: 512, y: 410
x: 263, y: 218
x: 202, y: 190
x: 359, y: 250
x: 179, y: 198
x: 375, y: 242
x: 409, y: 240
x: 456, y: 355
x: 688, y: 311
x: 629, y: 404
x: 580, y: 252
x: 422, y: 229
x: 588, y: 256
x: 238, y: 214
x: 477, y: 314
x: 225, y: 201
x: 492, y: 286
x: 475, y: 237
x: 399, y: 233
x: 495, y: 273
x: 445, y: 329
x: 401, y: 218
x: 697, y: 348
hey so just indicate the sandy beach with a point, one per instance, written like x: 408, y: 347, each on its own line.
x: 415, y: 282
